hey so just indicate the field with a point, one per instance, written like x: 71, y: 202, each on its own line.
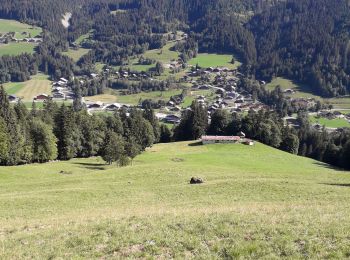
x: 206, y: 60
x: 17, y: 48
x: 332, y: 123
x: 305, y: 92
x: 76, y: 54
x: 19, y: 28
x: 248, y: 206
x: 165, y: 55
x: 39, y: 84
x: 21, y: 31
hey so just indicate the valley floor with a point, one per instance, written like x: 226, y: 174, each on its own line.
x: 255, y: 202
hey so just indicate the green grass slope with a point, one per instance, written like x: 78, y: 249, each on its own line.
x: 255, y: 202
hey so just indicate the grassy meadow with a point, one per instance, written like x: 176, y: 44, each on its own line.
x: 7, y: 26
x: 206, y: 60
x: 248, y: 206
x: 332, y: 123
x: 22, y: 31
x: 304, y: 91
x: 76, y: 54
x: 27, y: 90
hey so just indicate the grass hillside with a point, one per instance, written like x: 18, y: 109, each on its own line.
x: 38, y: 84
x: 255, y: 202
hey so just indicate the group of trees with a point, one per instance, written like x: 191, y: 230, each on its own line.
x: 62, y: 132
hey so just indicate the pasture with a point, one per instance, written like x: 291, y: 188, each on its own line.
x: 17, y: 48
x: 248, y: 207
x: 38, y: 84
x: 332, y: 123
x: 76, y: 54
x: 21, y: 30
x: 304, y: 91
x: 206, y: 60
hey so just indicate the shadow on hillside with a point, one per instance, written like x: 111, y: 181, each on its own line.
x: 328, y: 166
x: 91, y: 166
x: 337, y: 184
x: 195, y: 144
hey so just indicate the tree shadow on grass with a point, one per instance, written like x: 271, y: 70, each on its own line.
x: 195, y: 143
x: 92, y: 166
x: 337, y: 184
x: 328, y: 166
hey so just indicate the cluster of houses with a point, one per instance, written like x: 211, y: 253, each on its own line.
x: 333, y: 115
x: 61, y: 90
x: 214, y: 139
x: 10, y: 37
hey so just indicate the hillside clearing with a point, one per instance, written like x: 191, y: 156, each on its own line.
x: 248, y: 207
x: 332, y: 123
x: 304, y: 91
x: 207, y: 60
x: 17, y: 48
x: 38, y: 84
x: 76, y: 54
x: 22, y: 30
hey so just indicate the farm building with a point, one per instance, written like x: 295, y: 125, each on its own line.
x: 12, y: 98
x: 113, y: 107
x: 42, y: 97
x: 220, y: 139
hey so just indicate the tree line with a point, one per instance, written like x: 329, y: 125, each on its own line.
x: 65, y: 132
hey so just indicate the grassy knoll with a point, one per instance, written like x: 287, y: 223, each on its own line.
x: 333, y: 123
x: 22, y: 30
x: 38, y: 84
x: 17, y: 48
x: 255, y: 203
x: 76, y: 54
x: 206, y: 60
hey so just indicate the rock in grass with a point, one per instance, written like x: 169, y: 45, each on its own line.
x: 195, y: 180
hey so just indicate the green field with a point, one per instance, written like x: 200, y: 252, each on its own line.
x: 154, y: 95
x: 164, y: 55
x: 7, y: 26
x: 332, y: 123
x: 255, y: 203
x: 304, y: 91
x: 38, y: 84
x: 206, y: 60
x: 17, y: 48
x: 76, y: 54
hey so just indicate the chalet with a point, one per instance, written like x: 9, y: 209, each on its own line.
x: 220, y: 139
x: 64, y: 80
x: 93, y: 75
x: 113, y: 107
x: 173, y: 119
x: 42, y: 97
x: 59, y: 95
x: 95, y: 105
x: 12, y: 98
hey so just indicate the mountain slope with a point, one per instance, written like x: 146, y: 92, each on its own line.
x: 255, y: 202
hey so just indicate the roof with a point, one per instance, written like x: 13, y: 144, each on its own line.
x: 220, y: 138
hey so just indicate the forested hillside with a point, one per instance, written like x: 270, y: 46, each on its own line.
x: 307, y: 41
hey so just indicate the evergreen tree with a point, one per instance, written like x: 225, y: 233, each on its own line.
x: 113, y: 148
x: 220, y: 120
x: 43, y: 141
x: 165, y: 134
